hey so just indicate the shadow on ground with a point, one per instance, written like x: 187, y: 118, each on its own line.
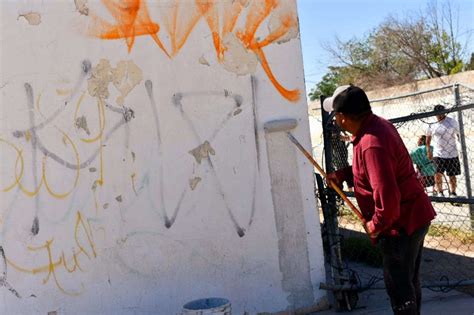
x: 437, y: 265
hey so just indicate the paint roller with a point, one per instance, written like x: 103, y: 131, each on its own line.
x: 285, y: 125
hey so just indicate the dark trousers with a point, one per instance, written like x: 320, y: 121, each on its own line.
x: 401, y: 266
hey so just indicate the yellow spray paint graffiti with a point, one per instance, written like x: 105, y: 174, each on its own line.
x: 27, y: 157
x: 84, y: 249
x: 20, y: 163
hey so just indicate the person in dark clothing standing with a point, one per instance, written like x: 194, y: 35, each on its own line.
x: 391, y: 198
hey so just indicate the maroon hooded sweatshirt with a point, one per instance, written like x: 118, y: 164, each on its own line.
x: 385, y: 183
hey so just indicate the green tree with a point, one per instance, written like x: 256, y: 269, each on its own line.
x: 327, y: 85
x: 402, y: 50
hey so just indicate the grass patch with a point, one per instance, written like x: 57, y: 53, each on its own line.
x: 360, y: 249
x: 348, y: 214
x: 439, y: 230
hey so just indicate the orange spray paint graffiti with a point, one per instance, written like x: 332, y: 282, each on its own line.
x: 132, y: 20
x: 180, y: 17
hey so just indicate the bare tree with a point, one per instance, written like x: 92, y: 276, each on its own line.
x: 401, y: 50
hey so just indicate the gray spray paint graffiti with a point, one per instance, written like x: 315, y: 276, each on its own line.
x: 177, y: 102
x: 253, y: 82
x: 86, y: 68
x: 3, y: 274
x: 29, y: 96
x: 154, y: 109
x: 127, y: 115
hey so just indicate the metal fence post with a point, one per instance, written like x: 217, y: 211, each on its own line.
x: 462, y: 136
x: 331, y: 221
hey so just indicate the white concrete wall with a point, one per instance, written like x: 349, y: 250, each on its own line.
x: 132, y: 181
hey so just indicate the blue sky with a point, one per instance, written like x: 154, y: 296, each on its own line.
x: 321, y: 20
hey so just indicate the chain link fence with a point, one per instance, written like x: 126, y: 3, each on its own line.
x: 448, y: 257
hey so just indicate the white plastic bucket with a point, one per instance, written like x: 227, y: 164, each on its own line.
x: 208, y: 306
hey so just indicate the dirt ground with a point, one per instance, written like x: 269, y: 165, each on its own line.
x: 446, y: 258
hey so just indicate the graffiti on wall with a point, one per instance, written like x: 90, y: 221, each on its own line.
x: 58, y: 163
x: 31, y: 179
x: 238, y: 49
x: 91, y: 115
x: 69, y: 264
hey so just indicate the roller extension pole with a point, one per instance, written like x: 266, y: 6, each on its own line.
x: 334, y: 186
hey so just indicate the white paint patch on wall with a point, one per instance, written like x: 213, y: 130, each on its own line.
x: 133, y: 178
x: 288, y: 207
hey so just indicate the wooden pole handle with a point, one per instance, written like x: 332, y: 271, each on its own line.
x: 331, y: 183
